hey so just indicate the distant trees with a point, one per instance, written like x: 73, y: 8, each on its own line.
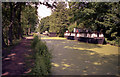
x: 57, y: 22
x: 44, y: 24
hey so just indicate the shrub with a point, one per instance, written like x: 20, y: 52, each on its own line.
x: 114, y: 42
x: 42, y: 58
x: 35, y: 40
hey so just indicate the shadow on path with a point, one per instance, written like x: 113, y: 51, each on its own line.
x: 14, y: 63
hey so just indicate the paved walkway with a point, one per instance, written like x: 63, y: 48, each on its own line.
x: 76, y: 58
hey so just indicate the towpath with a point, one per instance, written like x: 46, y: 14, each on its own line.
x: 15, y: 62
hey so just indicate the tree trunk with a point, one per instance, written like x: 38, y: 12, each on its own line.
x: 26, y: 31
x: 29, y: 30
x: 3, y: 42
x: 10, y: 26
x: 19, y: 20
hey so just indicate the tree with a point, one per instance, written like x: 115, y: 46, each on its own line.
x: 44, y: 24
x: 100, y: 16
x: 29, y: 19
x: 12, y: 25
x: 58, y: 20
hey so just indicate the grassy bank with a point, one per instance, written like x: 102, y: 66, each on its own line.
x: 41, y: 58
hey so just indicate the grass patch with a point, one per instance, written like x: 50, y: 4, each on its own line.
x: 54, y: 38
x: 41, y: 56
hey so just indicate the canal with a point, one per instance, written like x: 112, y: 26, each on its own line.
x: 70, y: 57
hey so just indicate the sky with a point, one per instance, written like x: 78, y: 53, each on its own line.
x: 43, y: 11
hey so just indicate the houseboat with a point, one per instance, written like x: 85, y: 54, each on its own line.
x: 85, y: 36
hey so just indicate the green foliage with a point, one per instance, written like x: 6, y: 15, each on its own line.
x: 71, y: 27
x: 35, y: 40
x: 97, y: 16
x: 29, y: 18
x: 100, y: 16
x: 44, y: 24
x: 42, y: 58
x: 114, y: 42
x: 113, y: 34
x: 18, y: 18
x: 57, y: 22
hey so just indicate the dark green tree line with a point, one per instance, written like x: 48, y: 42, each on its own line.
x: 16, y: 16
x: 100, y: 16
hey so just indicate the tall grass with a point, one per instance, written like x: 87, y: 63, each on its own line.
x: 42, y: 58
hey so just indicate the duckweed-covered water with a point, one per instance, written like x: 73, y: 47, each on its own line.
x: 72, y: 57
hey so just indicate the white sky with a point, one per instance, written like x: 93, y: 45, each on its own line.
x: 43, y: 11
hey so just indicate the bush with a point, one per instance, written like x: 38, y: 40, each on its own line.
x: 35, y: 40
x: 42, y: 58
x: 114, y: 42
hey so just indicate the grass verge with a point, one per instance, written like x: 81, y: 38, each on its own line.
x: 41, y: 56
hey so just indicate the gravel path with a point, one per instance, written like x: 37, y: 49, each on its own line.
x: 76, y: 58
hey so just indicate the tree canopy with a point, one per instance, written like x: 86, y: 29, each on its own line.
x: 98, y: 16
x: 19, y: 18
